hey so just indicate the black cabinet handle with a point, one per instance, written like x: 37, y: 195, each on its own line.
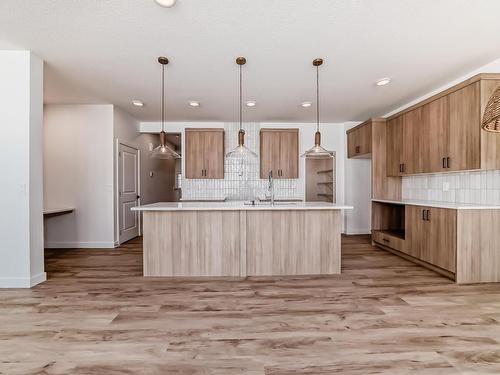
x: 423, y: 215
x: 444, y: 162
x: 404, y: 167
x: 448, y: 162
x: 428, y: 215
x: 357, y: 149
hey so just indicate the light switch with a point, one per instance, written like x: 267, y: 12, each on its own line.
x: 446, y: 186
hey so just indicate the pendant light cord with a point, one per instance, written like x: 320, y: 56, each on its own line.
x: 162, y: 97
x: 241, y: 101
x: 317, y: 98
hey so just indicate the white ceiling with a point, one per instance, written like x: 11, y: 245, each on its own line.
x: 104, y: 51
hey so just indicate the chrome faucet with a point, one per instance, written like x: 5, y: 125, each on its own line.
x: 271, y: 187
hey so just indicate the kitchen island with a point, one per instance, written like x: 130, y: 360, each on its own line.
x: 237, y: 239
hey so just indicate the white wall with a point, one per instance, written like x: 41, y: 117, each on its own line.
x: 21, y: 221
x: 358, y: 192
x: 78, y: 172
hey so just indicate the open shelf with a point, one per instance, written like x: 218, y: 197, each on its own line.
x: 389, y: 219
x: 325, y: 171
x: 320, y: 180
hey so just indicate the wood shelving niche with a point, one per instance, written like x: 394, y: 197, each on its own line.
x: 320, y: 180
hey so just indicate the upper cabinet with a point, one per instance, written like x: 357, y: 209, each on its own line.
x: 370, y: 140
x: 444, y: 133
x: 359, y: 141
x: 204, y: 153
x: 279, y: 153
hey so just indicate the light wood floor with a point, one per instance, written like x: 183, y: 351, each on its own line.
x: 382, y: 315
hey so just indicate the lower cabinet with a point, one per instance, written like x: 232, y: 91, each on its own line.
x: 462, y: 243
x: 432, y: 235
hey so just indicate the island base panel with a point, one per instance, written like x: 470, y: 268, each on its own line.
x: 242, y: 243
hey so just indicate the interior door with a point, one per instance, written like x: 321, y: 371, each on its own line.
x: 128, y: 192
x: 289, y: 155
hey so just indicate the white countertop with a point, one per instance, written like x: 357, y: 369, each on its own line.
x: 450, y: 205
x: 237, y: 206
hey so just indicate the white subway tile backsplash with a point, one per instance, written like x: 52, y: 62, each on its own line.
x: 477, y: 187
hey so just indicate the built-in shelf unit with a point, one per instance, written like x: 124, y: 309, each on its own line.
x: 320, y: 179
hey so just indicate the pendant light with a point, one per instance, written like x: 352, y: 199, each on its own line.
x: 317, y: 152
x: 241, y: 151
x: 163, y: 151
x: 491, y: 117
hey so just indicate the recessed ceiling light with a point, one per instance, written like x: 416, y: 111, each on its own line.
x: 194, y: 103
x: 137, y: 103
x: 383, y: 82
x: 251, y: 103
x: 305, y: 104
x: 165, y: 3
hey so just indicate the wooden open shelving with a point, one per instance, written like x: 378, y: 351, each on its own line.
x: 320, y: 180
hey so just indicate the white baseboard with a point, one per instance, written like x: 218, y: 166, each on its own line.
x: 22, y: 282
x: 79, y: 245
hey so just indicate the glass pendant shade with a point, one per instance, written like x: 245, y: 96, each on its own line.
x: 491, y: 117
x: 241, y: 151
x: 163, y: 151
x: 317, y: 152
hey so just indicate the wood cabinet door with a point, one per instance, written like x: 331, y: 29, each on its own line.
x: 365, y: 139
x: 213, y: 153
x: 194, y: 154
x: 465, y: 128
x: 289, y: 155
x: 269, y: 153
x: 437, y: 125
x: 394, y: 145
x: 352, y: 143
x: 414, y: 148
x: 442, y: 238
x: 415, y: 230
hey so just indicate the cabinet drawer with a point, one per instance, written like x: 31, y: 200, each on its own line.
x: 389, y: 240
